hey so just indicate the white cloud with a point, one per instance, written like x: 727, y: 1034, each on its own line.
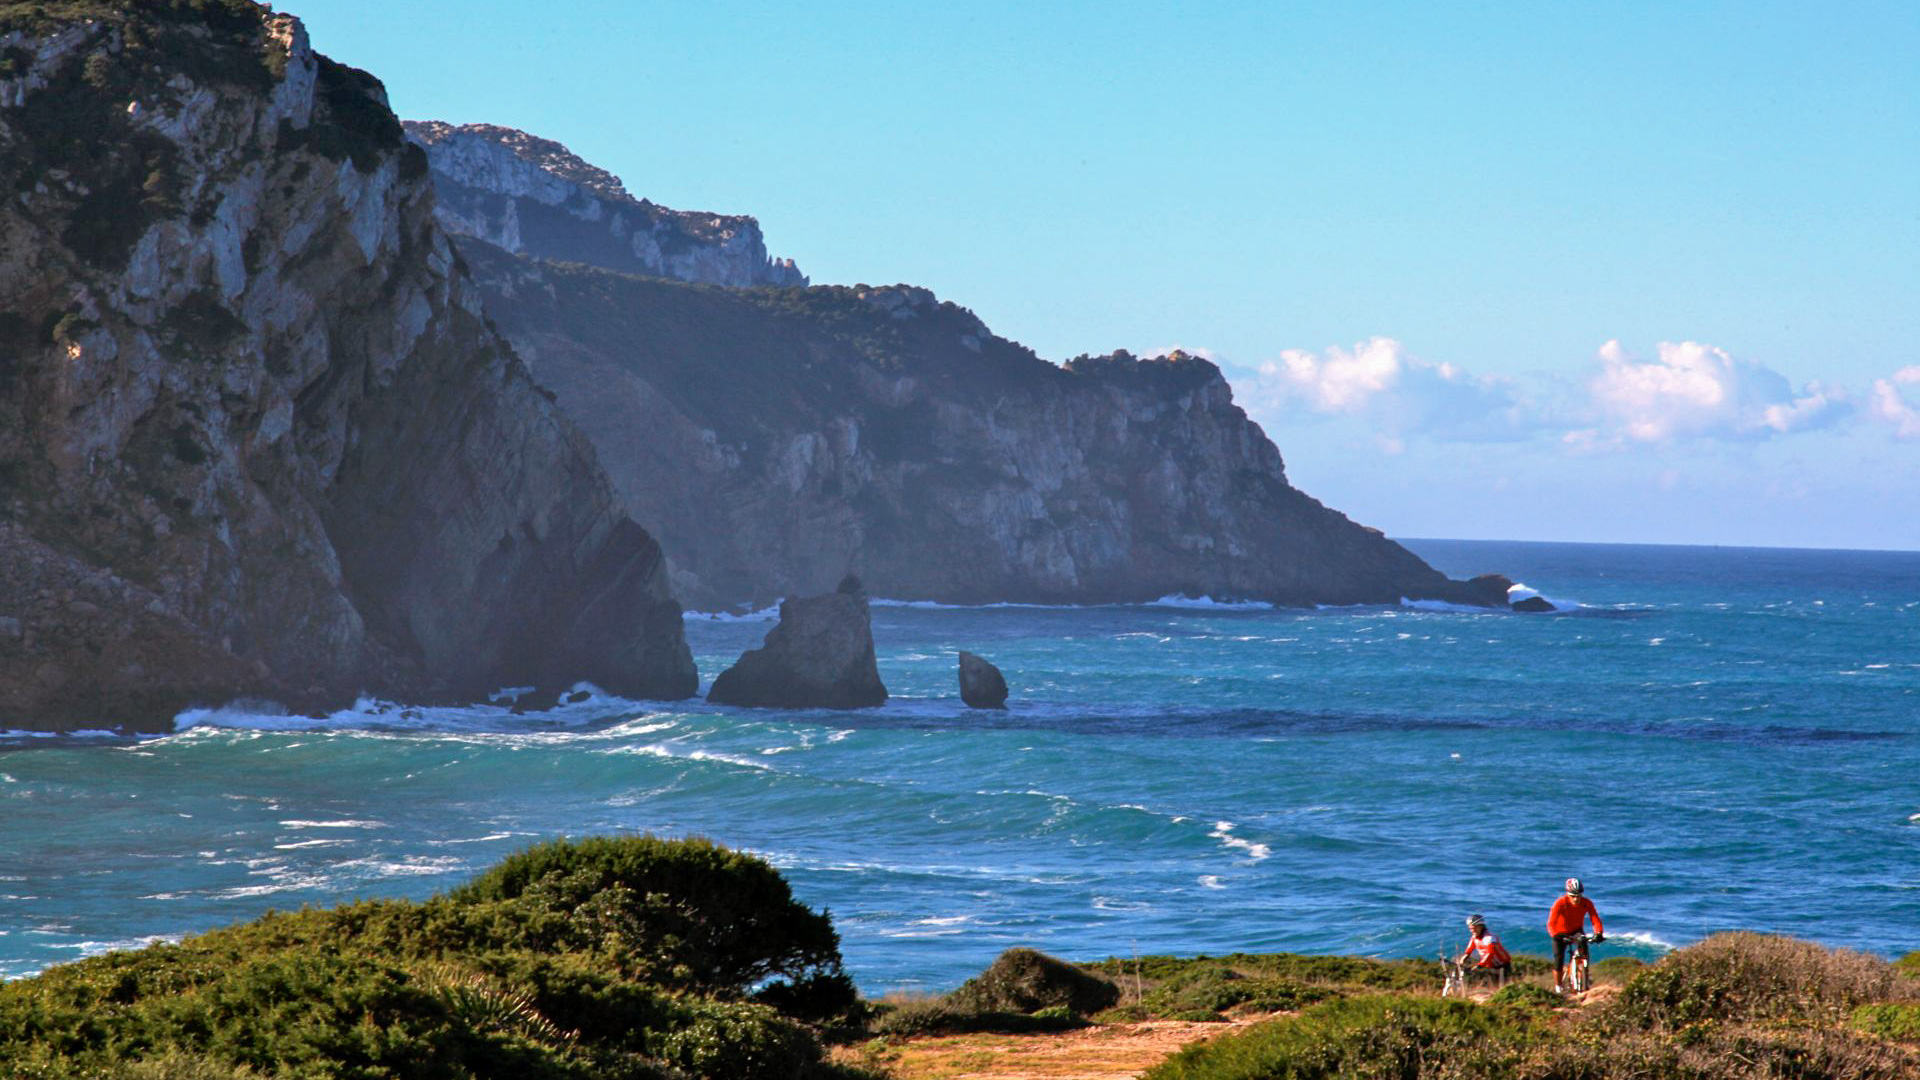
x: 1890, y: 405
x: 1397, y: 394
x: 1699, y: 391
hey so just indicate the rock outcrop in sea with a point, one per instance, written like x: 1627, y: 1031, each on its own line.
x: 256, y: 434
x: 981, y: 684
x: 819, y: 656
x: 523, y: 194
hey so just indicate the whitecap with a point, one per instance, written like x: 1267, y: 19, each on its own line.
x: 1639, y: 937
x: 1210, y: 881
x: 1208, y: 603
x: 1442, y: 605
x: 1521, y: 591
x: 1223, y: 832
x: 765, y: 614
x: 345, y: 824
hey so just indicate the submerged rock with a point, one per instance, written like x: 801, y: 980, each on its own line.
x: 981, y: 684
x: 819, y: 656
x: 1534, y: 604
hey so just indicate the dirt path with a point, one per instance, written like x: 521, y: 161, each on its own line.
x: 1108, y: 1052
x: 1115, y: 1052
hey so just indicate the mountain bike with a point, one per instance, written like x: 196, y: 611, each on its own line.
x: 1579, y: 980
x: 1456, y: 977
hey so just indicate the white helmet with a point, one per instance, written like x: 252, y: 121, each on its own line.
x: 1475, y: 922
x: 1574, y: 888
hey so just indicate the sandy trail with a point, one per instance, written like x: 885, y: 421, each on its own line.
x: 1108, y: 1052
x: 1116, y: 1052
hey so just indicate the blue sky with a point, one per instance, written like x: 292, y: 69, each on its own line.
x: 1507, y: 270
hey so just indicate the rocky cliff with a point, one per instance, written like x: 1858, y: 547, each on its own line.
x: 256, y: 435
x: 523, y: 194
x: 777, y: 440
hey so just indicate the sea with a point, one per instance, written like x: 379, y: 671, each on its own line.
x: 1711, y: 738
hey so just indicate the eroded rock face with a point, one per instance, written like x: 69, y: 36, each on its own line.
x: 981, y: 684
x: 773, y: 440
x: 819, y: 656
x: 256, y: 436
x: 523, y: 193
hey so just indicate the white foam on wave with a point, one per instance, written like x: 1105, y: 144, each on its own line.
x: 84, y: 733
x: 1639, y: 937
x: 1211, y: 881
x: 765, y: 614
x: 343, y: 824
x: 1442, y: 605
x: 1522, y: 591
x: 666, y: 750
x: 1208, y: 603
x: 494, y: 716
x: 1223, y: 832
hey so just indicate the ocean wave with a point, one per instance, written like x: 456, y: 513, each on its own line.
x: 1640, y: 937
x: 497, y: 716
x: 1223, y: 832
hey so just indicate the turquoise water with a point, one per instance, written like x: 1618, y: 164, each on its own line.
x: 1716, y: 738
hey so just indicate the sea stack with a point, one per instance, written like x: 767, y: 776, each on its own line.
x: 981, y: 684
x: 819, y: 656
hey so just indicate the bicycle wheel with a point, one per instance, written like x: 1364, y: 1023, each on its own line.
x: 1580, y: 973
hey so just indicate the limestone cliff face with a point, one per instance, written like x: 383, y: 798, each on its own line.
x: 778, y: 440
x: 523, y: 193
x: 256, y: 436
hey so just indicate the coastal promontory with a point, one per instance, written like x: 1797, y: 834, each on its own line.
x: 776, y: 439
x: 256, y: 434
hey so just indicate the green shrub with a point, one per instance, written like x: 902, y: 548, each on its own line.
x: 1024, y: 980
x: 736, y: 1040
x: 1908, y: 964
x: 1900, y: 1022
x: 1342, y: 971
x: 1527, y: 994
x: 517, y: 974
x: 1745, y: 976
x: 684, y: 913
x: 1376, y: 1036
x: 939, y: 1017
x: 1122, y: 1014
x: 1617, y: 969
x: 1216, y: 988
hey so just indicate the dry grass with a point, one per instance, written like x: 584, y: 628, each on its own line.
x: 1743, y: 976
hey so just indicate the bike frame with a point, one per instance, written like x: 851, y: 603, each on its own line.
x: 1577, y: 962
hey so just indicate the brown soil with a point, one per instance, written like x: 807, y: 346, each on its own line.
x: 1106, y: 1052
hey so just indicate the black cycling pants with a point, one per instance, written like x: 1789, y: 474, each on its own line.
x: 1561, y: 943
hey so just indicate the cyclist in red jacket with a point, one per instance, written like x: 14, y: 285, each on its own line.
x: 1569, y: 917
x: 1489, y: 956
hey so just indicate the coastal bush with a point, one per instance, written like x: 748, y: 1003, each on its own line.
x: 1900, y: 1022
x: 1216, y: 988
x: 1529, y: 995
x: 1383, y: 1035
x: 1346, y: 971
x: 1739, y: 1054
x: 1617, y: 969
x: 624, y: 958
x: 936, y: 1016
x: 1908, y: 964
x: 1025, y: 980
x: 1747, y: 976
x: 683, y: 913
